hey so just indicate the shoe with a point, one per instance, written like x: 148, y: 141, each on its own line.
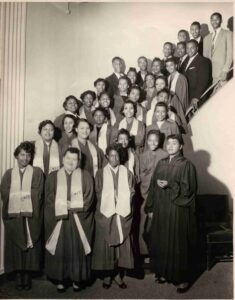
x: 121, y: 285
x: 106, y: 285
x: 76, y: 287
x: 161, y: 280
x: 27, y: 281
x: 19, y: 281
x: 60, y: 288
x: 182, y: 288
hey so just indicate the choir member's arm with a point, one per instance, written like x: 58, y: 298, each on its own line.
x: 131, y: 181
x: 151, y: 194
x: 5, y: 191
x: 137, y: 168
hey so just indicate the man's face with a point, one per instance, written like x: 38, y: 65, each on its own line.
x: 117, y: 66
x: 181, y: 50
x: 215, y: 21
x: 167, y: 50
x: 195, y: 31
x: 142, y: 63
x: 191, y: 49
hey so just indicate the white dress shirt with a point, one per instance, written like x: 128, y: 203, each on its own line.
x: 190, y: 60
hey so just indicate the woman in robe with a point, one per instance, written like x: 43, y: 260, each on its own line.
x: 150, y: 90
x: 177, y: 83
x: 112, y: 252
x: 171, y: 206
x: 92, y: 157
x: 147, y: 162
x: 101, y: 85
x: 162, y: 123
x: 156, y: 67
x: 135, y: 96
x: 69, y: 223
x: 136, y: 128
x: 85, y: 112
x: 101, y: 133
x: 160, y: 83
x: 132, y: 75
x: 105, y: 103
x: 121, y: 97
x: 22, y: 214
x: 47, y: 156
x: 68, y: 134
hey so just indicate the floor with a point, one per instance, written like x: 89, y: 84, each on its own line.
x: 214, y: 284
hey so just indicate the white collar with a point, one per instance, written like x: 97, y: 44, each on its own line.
x: 198, y: 39
x: 115, y: 170
x: 118, y: 75
x: 67, y: 112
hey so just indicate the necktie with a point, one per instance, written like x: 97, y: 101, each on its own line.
x: 213, y: 43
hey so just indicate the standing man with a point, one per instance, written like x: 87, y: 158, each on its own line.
x: 168, y: 51
x: 143, y: 65
x: 195, y: 30
x: 218, y: 47
x: 117, y: 63
x: 183, y: 56
x: 197, y: 72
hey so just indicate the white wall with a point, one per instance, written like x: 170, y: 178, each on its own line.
x: 66, y: 53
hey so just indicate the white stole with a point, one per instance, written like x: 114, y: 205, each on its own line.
x: 174, y: 81
x: 131, y: 161
x: 134, y: 128
x: 112, y: 117
x: 54, y: 161
x: 102, y: 137
x: 141, y: 115
x: 149, y: 117
x: 93, y: 151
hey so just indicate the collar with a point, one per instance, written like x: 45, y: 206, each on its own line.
x: 191, y: 58
x: 217, y: 31
x: 118, y: 75
x: 198, y: 39
x: 115, y: 170
x: 67, y: 112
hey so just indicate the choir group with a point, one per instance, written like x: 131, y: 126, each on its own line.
x: 107, y: 183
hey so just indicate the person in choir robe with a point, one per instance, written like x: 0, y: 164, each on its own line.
x: 143, y: 66
x: 183, y: 36
x: 182, y: 55
x: 170, y: 205
x: 105, y: 103
x: 68, y: 134
x: 101, y: 133
x: 150, y: 90
x: 47, y: 154
x: 71, y: 106
x: 69, y: 223
x: 177, y: 83
x: 112, y: 252
x: 160, y: 83
x: 122, y: 95
x: 148, y: 161
x: 92, y: 157
x: 85, y: 112
x: 163, y: 124
x: 101, y: 85
x: 132, y: 75
x: 118, y: 66
x: 168, y: 51
x: 129, y: 122
x: 128, y: 157
x: 22, y: 215
x: 156, y: 67
x: 135, y: 96
x: 195, y: 30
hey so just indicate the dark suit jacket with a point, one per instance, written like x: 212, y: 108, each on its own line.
x: 139, y: 79
x: 199, y: 76
x: 200, y: 46
x: 113, y: 84
x: 182, y: 67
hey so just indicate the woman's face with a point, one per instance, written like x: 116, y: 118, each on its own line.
x: 105, y: 101
x: 128, y: 110
x: 153, y: 142
x: 132, y: 76
x: 160, y: 113
x: 134, y: 95
x: 68, y: 125
x: 83, y: 130
x: 156, y: 67
x: 113, y: 158
x: 149, y: 81
x: 123, y: 85
x: 70, y: 161
x: 99, y: 117
x: 123, y: 140
x: 163, y: 97
x: 72, y: 105
x: 173, y: 146
x: 160, y: 84
x: 182, y: 36
x: 171, y: 67
x: 88, y: 100
x: 47, y: 133
x: 23, y: 158
x: 100, y: 87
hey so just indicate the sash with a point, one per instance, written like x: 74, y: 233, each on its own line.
x: 54, y: 162
x: 102, y: 138
x: 112, y: 117
x: 149, y: 117
x: 122, y: 196
x: 174, y: 81
x: 93, y: 151
x: 140, y: 114
x: 131, y: 161
x: 134, y: 128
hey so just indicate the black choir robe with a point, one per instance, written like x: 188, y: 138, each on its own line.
x: 64, y: 143
x: 139, y: 80
x: 88, y: 114
x: 17, y: 255
x: 106, y: 257
x: 69, y: 261
x: 182, y: 65
x: 173, y: 227
x: 117, y: 106
x: 112, y: 84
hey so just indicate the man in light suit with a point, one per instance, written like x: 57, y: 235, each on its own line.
x: 117, y: 63
x: 218, y: 47
x: 197, y: 72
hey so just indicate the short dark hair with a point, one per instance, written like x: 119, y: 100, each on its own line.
x: 143, y: 57
x: 28, y: 147
x: 217, y: 14
x: 72, y: 118
x: 168, y: 43
x: 156, y: 59
x: 84, y: 94
x: 104, y: 93
x: 184, y: 31
x: 135, y: 87
x: 125, y: 78
x: 104, y: 112
x: 196, y: 23
x: 68, y: 98
x: 43, y: 124
x: 117, y: 57
x: 150, y: 74
x: 164, y: 90
x: 84, y: 121
x: 163, y: 78
x: 72, y: 150
x: 182, y: 43
x: 114, y: 147
x: 124, y: 131
x: 131, y: 69
x: 194, y: 42
x: 171, y: 59
x: 155, y: 132
x: 177, y: 137
x: 101, y: 80
x: 129, y: 102
x: 161, y: 104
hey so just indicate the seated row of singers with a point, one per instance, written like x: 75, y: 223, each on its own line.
x: 88, y: 212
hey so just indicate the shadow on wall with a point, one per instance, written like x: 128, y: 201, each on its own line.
x: 230, y: 24
x: 204, y: 30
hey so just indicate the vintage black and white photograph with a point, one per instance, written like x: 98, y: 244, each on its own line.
x: 117, y: 150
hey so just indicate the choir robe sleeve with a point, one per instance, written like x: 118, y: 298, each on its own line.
x: 5, y: 191
x: 152, y: 192
x: 139, y: 138
x: 183, y: 189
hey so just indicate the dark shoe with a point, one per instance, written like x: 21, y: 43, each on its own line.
x: 60, y: 288
x: 182, y: 288
x: 19, y: 281
x: 27, y: 281
x: 77, y: 287
x: 122, y: 285
x: 106, y: 285
x: 161, y: 280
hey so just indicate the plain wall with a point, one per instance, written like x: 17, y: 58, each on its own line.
x: 67, y: 52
